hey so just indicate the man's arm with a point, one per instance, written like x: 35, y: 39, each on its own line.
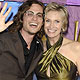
x: 4, y: 25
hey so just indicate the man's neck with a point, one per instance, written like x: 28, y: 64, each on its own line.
x: 27, y: 37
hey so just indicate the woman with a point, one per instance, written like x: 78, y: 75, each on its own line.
x: 60, y: 60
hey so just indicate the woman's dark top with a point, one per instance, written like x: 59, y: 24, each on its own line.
x: 61, y: 68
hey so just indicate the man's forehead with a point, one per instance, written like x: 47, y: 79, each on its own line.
x: 36, y: 8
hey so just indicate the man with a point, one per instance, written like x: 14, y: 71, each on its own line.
x: 20, y: 47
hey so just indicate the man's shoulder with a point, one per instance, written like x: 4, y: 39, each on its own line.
x: 8, y: 35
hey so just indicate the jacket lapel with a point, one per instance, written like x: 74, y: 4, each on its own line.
x: 20, y: 53
x: 36, y: 57
x: 33, y: 64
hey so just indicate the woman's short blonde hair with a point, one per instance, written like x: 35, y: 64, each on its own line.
x: 57, y: 7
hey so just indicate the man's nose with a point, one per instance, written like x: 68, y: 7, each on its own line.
x: 34, y: 17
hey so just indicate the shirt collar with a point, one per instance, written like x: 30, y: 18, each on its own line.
x: 22, y: 39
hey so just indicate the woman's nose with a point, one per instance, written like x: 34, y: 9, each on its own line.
x: 52, y: 25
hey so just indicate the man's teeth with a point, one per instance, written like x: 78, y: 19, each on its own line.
x: 33, y: 24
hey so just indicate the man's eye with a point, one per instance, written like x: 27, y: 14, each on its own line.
x: 39, y: 15
x: 30, y: 14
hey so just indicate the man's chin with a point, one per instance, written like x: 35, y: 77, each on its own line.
x: 32, y: 33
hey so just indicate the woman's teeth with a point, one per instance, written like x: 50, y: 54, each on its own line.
x: 51, y: 30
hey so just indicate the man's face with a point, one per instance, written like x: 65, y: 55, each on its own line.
x: 33, y: 19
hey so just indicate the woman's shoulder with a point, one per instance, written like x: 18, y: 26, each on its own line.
x: 73, y: 46
x: 69, y: 42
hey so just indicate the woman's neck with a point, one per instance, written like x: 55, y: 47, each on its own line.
x: 53, y: 40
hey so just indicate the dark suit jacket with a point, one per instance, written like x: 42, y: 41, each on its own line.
x: 12, y: 58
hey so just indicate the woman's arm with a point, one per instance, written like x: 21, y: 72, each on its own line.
x: 78, y: 64
x: 77, y: 55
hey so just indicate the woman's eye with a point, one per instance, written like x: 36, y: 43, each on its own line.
x: 57, y: 21
x: 47, y: 20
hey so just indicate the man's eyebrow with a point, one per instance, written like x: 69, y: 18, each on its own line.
x: 29, y: 11
x: 39, y: 13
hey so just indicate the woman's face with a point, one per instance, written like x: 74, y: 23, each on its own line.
x: 53, y: 23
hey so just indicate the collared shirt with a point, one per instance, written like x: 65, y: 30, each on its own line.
x: 28, y: 54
